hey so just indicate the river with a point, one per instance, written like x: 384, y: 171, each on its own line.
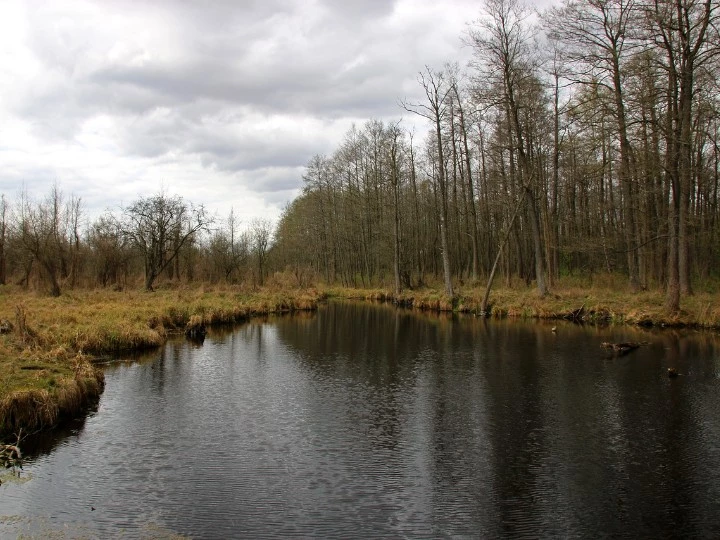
x: 367, y: 421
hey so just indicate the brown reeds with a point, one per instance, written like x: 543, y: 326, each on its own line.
x: 30, y: 409
x: 36, y: 409
x: 45, y: 371
x: 604, y: 302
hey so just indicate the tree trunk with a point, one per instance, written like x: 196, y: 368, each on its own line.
x: 471, y: 196
x: 537, y: 243
x: 443, y: 210
x: 491, y: 278
x: 625, y: 179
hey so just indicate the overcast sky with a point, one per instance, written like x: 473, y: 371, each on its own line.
x: 222, y: 102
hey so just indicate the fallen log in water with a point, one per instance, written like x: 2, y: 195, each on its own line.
x: 11, y: 456
x: 575, y: 315
x: 623, y: 348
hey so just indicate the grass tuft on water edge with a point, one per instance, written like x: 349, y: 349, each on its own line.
x: 46, y: 354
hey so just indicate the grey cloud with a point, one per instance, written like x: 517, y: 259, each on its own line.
x: 229, y: 142
x: 356, y: 10
x: 243, y: 157
x: 274, y: 179
x: 323, y: 90
x: 235, y: 152
x: 192, y: 83
x: 280, y: 199
x: 225, y: 61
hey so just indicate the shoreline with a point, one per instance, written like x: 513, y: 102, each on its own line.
x: 50, y: 347
x: 48, y: 357
x: 598, y: 306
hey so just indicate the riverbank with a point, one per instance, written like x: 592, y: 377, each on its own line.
x: 48, y: 345
x: 608, y: 302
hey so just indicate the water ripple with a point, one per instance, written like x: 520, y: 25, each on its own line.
x: 372, y: 422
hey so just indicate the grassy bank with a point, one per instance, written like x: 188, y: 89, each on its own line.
x: 607, y: 301
x: 48, y: 344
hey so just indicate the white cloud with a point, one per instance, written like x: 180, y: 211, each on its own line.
x: 221, y: 102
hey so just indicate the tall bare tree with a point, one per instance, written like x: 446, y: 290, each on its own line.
x: 159, y: 226
x: 501, y: 45
x: 3, y: 238
x: 42, y: 234
x: 261, y: 235
x: 436, y: 88
x: 596, y: 42
x: 109, y: 248
x: 687, y: 32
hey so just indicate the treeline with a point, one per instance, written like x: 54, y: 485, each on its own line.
x: 49, y: 244
x: 584, y: 140
x: 586, y: 144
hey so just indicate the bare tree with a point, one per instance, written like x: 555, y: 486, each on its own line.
x: 109, y: 248
x: 473, y: 222
x: 261, y: 234
x: 159, y: 226
x: 436, y: 89
x: 596, y: 38
x: 501, y: 45
x: 687, y: 32
x: 395, y: 135
x: 41, y: 233
x: 3, y: 238
x: 73, y: 214
x: 227, y: 250
x: 570, y: 168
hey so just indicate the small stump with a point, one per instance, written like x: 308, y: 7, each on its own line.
x: 195, y: 329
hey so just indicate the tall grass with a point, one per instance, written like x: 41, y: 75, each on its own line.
x: 602, y: 298
x: 46, y: 369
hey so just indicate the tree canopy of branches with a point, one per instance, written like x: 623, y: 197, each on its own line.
x: 159, y: 226
x: 592, y: 147
x: 46, y: 233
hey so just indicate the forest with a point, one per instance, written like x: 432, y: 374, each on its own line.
x: 580, y: 140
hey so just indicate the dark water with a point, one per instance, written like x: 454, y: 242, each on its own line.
x: 366, y: 421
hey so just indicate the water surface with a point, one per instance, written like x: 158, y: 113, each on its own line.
x: 365, y: 420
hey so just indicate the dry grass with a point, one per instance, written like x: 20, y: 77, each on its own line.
x: 603, y: 299
x: 45, y: 360
x: 103, y: 321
